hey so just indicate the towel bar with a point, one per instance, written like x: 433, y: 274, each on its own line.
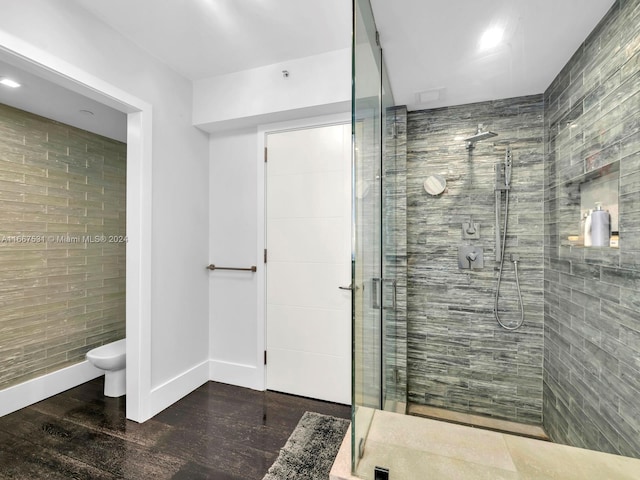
x: 253, y: 268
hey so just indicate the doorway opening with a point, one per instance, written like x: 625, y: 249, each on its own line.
x: 138, y: 225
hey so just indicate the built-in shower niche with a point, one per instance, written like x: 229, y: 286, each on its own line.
x: 598, y: 188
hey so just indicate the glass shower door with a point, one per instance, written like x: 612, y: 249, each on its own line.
x: 375, y: 299
x: 367, y: 212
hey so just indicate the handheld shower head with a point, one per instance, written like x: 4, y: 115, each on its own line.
x: 479, y: 136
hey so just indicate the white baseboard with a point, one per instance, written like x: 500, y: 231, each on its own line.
x: 168, y: 393
x: 32, y: 391
x: 236, y: 374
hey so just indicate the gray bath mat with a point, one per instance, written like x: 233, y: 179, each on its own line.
x: 311, y: 449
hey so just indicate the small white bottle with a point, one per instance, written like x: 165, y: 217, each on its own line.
x: 600, y: 227
x: 587, y: 229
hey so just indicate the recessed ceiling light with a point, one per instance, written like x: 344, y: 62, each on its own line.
x: 86, y: 112
x: 491, y: 38
x: 9, y: 83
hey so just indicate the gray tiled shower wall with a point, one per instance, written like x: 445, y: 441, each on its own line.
x: 62, y: 285
x: 592, y: 295
x: 458, y: 356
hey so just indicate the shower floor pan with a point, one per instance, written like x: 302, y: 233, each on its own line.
x: 479, y: 421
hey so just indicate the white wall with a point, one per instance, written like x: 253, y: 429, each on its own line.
x: 233, y: 233
x: 316, y: 85
x: 179, y: 249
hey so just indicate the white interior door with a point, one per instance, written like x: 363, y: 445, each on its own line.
x: 308, y: 239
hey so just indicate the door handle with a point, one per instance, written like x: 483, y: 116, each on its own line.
x: 350, y: 287
x: 394, y: 294
x: 375, y: 282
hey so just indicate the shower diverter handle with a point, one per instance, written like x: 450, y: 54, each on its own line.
x: 471, y: 256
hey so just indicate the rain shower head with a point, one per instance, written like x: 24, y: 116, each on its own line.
x: 479, y: 136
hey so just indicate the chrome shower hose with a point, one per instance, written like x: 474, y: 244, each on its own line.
x: 515, y: 265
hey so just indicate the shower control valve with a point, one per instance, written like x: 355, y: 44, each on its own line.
x: 470, y: 257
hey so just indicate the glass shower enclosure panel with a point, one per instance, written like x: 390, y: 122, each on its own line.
x: 367, y: 211
x: 393, y: 225
x: 374, y: 284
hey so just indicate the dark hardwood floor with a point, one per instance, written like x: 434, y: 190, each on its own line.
x: 218, y: 432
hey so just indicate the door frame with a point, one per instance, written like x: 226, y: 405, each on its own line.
x: 261, y: 276
x: 139, y: 206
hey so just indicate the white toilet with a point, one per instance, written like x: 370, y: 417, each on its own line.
x: 112, y: 359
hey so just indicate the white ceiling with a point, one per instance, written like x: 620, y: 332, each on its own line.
x: 206, y: 38
x: 49, y: 100
x: 430, y: 46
